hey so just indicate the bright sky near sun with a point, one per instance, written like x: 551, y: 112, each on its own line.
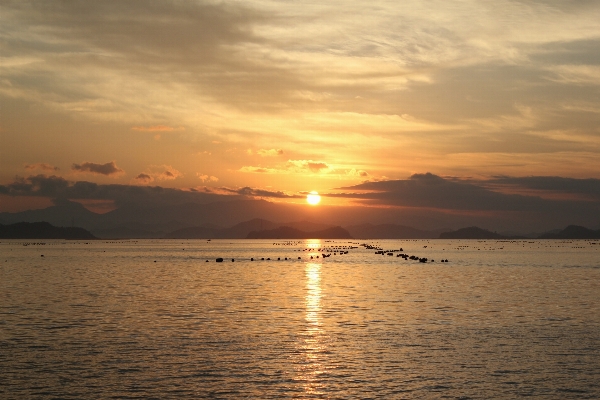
x: 288, y: 97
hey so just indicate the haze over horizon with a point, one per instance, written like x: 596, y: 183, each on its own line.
x: 425, y: 113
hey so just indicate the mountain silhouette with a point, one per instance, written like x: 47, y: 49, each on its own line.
x: 573, y: 232
x: 472, y: 232
x: 389, y: 231
x: 42, y: 230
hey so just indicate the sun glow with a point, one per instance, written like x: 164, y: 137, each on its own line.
x: 313, y: 198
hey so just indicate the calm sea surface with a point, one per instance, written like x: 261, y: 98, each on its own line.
x: 153, y: 319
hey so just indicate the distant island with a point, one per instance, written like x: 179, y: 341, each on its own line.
x: 570, y: 232
x: 229, y: 220
x: 131, y: 223
x: 42, y: 230
x: 286, y: 232
x: 474, y: 232
x: 573, y: 232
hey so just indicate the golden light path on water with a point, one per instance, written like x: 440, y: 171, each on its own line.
x: 313, y: 345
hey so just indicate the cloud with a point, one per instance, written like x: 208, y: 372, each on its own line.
x: 292, y: 166
x: 206, y: 178
x: 157, y: 128
x: 357, y: 172
x: 144, y: 178
x: 429, y: 190
x: 307, y: 166
x: 157, y: 173
x: 420, y: 200
x: 437, y: 193
x: 41, y: 166
x: 577, y: 74
x: 582, y: 188
x: 169, y: 173
x: 261, y: 170
x: 269, y: 152
x: 260, y: 193
x: 38, y: 185
x: 55, y: 187
x: 312, y: 166
x: 108, y: 169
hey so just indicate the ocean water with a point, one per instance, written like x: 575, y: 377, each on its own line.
x: 154, y: 319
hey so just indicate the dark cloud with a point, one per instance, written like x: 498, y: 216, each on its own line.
x: 428, y: 190
x: 424, y: 200
x: 434, y: 192
x: 57, y: 187
x: 39, y: 185
x: 578, y: 52
x: 587, y: 187
x: 102, y: 169
x: 144, y: 178
x: 248, y: 191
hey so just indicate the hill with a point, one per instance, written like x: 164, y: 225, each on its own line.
x: 286, y: 232
x: 473, y: 232
x: 389, y: 231
x: 573, y: 232
x: 42, y: 230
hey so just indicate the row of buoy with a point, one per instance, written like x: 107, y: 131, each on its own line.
x: 383, y: 252
x: 380, y: 251
x: 388, y: 252
x: 416, y: 258
x: 337, y: 249
x: 220, y: 259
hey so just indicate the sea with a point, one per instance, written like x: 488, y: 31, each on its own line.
x: 162, y: 319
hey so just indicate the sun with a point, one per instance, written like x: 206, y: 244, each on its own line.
x: 313, y: 198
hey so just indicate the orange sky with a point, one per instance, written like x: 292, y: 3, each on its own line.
x: 293, y: 97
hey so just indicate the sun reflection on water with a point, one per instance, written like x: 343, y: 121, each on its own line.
x: 313, y: 296
x: 313, y: 346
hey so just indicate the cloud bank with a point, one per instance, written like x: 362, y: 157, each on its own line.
x: 421, y: 200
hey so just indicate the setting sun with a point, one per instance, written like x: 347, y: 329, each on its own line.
x: 313, y: 198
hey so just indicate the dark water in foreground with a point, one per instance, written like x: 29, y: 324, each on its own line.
x: 153, y: 319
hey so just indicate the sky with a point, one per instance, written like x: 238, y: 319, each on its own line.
x: 495, y: 104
